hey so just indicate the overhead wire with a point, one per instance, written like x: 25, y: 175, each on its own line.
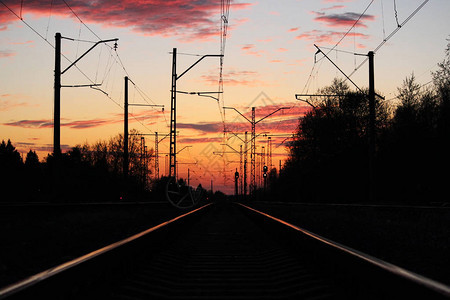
x: 313, y: 68
x: 51, y: 45
x: 396, y: 14
x: 49, y: 18
x: 390, y: 35
x: 351, y: 27
x: 224, y: 19
x: 118, y: 60
x: 106, y: 75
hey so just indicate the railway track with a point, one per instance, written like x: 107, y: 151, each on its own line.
x: 226, y: 251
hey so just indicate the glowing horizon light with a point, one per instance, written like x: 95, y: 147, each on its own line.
x: 269, y: 57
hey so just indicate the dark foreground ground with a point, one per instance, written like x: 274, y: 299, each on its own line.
x: 34, y: 238
x: 415, y: 238
x: 37, y: 237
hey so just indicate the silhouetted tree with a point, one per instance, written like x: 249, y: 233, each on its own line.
x: 32, y: 160
x: 9, y: 157
x: 97, y: 169
x: 11, y: 171
x: 441, y: 80
x: 413, y: 150
x: 329, y: 155
x: 33, y: 176
x: 328, y: 160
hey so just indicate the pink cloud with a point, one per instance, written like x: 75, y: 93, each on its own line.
x: 327, y: 37
x: 344, y: 19
x: 7, y: 53
x: 202, y: 126
x: 22, y: 43
x: 336, y: 1
x: 236, y: 78
x: 250, y: 49
x: 293, y: 29
x: 31, y: 123
x: 187, y: 20
x: 333, y: 7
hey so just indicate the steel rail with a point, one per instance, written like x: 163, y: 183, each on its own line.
x: 39, y: 277
x: 396, y: 270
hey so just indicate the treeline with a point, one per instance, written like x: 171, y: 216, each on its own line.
x: 86, y: 173
x: 329, y: 160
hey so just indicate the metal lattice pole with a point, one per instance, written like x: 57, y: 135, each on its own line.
x: 253, y: 155
x: 240, y: 171
x: 156, y: 156
x: 245, y: 163
x: 173, y: 117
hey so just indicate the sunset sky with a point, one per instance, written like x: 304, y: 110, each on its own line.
x: 269, y: 57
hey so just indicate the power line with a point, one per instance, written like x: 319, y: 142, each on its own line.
x: 93, y: 85
x: 308, y: 82
x: 420, y: 87
x: 391, y: 35
x: 350, y: 29
x: 224, y: 19
x: 118, y: 60
x: 81, y: 21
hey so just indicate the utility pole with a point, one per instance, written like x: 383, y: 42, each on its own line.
x: 156, y: 149
x: 253, y: 154
x: 58, y: 86
x: 145, y: 165
x: 245, y: 164
x: 173, y: 109
x: 236, y: 179
x: 263, y: 164
x: 144, y: 161
x: 173, y: 117
x: 253, y: 123
x: 240, y: 163
x: 126, y: 162
x: 372, y: 133
x: 57, y: 103
x: 240, y: 170
x: 125, y: 133
x: 57, y: 99
x: 156, y: 156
